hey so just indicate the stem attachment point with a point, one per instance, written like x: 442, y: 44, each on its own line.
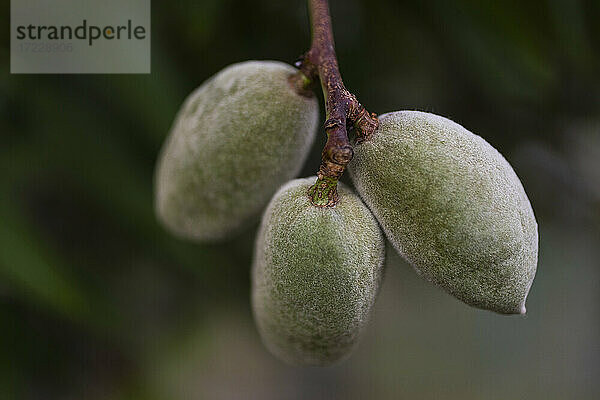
x: 324, y: 192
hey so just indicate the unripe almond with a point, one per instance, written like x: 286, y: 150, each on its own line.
x: 452, y: 206
x: 316, y: 274
x: 237, y: 138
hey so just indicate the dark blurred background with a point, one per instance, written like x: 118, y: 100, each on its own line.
x: 98, y: 302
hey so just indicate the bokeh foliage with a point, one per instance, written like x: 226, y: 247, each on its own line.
x: 98, y: 302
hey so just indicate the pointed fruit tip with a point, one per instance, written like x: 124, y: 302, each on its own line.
x: 523, y: 310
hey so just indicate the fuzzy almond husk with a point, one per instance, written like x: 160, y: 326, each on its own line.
x: 452, y: 206
x: 316, y: 274
x: 236, y: 140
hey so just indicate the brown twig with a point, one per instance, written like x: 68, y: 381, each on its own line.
x: 342, y: 107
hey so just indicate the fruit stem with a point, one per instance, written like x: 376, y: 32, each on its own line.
x: 341, y: 106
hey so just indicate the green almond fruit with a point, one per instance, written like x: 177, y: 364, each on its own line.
x: 236, y: 140
x: 316, y: 274
x: 452, y: 206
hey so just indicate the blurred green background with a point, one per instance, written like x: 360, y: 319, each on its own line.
x: 98, y: 302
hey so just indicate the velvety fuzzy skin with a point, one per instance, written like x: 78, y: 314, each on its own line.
x: 316, y: 274
x: 452, y: 206
x: 237, y: 139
